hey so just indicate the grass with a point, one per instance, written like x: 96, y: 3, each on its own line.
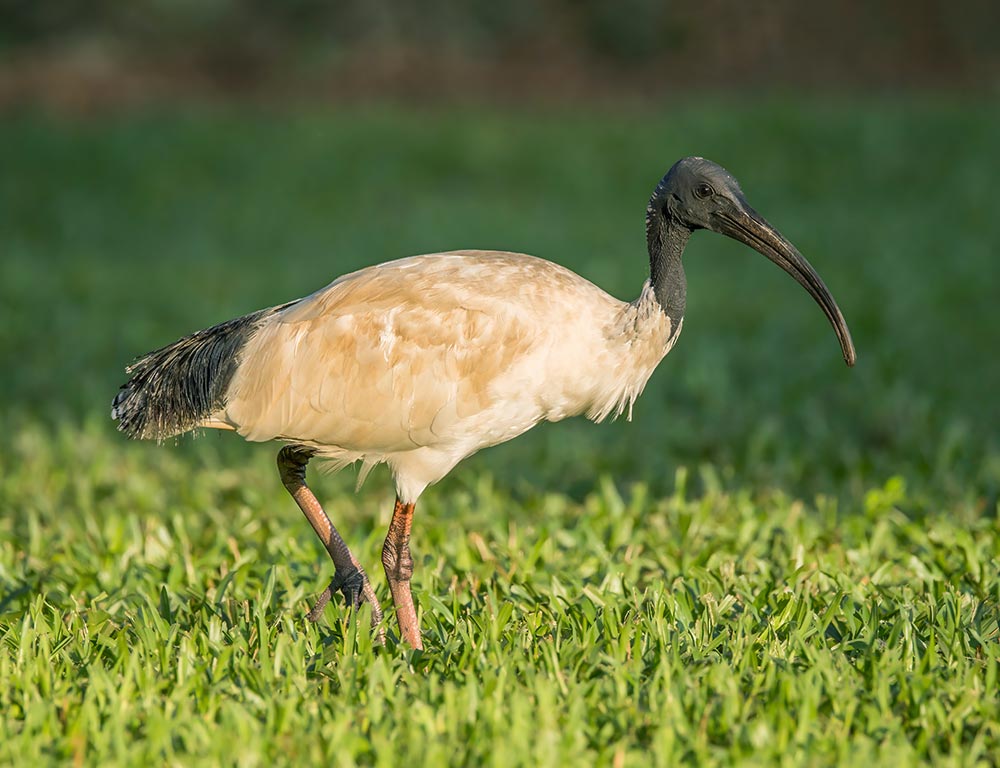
x: 779, y: 561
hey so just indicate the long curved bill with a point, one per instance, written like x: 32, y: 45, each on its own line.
x: 752, y: 229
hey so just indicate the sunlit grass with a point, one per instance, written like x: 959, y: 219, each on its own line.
x: 154, y: 613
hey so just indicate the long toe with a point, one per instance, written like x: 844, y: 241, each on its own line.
x: 317, y: 610
x: 356, y: 589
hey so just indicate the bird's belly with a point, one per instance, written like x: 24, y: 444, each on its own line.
x: 383, y: 408
x: 389, y: 410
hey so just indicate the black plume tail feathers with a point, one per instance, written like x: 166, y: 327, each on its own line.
x: 176, y: 388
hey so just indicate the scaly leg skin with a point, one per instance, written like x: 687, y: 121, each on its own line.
x: 349, y: 577
x: 398, y: 569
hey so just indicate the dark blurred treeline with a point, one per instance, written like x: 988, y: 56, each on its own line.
x: 127, y: 50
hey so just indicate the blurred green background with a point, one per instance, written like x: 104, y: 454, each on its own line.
x: 169, y: 165
x: 123, y: 232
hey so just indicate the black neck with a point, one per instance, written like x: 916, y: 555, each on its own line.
x: 666, y: 239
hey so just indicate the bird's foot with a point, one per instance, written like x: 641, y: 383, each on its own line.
x: 356, y: 589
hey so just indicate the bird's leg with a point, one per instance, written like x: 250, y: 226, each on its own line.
x: 398, y: 569
x: 349, y: 577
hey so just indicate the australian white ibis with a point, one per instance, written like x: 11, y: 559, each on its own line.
x: 421, y: 362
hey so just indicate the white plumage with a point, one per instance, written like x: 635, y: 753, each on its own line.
x: 423, y: 361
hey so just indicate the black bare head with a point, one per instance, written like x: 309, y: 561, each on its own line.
x: 694, y: 191
x: 698, y: 194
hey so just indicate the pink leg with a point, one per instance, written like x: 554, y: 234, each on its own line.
x: 349, y: 577
x: 398, y: 569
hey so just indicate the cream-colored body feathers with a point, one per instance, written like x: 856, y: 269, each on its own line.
x: 423, y: 361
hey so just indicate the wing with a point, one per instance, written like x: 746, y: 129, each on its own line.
x: 400, y: 355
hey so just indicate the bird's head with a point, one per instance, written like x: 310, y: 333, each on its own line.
x: 698, y: 194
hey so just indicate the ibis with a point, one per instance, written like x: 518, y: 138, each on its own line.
x: 421, y: 362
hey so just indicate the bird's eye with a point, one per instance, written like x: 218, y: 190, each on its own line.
x: 704, y: 190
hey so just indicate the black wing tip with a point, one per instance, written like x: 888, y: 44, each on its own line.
x: 174, y: 389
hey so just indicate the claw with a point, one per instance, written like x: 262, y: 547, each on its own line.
x: 356, y: 589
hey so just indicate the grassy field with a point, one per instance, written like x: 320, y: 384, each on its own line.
x: 778, y: 561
